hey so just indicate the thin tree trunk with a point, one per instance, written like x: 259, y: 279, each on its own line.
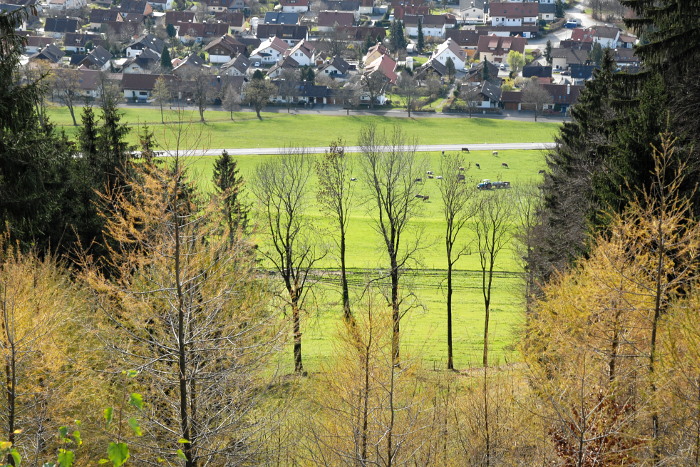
x: 487, y: 429
x: 182, y: 356
x: 395, y: 316
x: 450, y: 362
x: 296, y: 331
x: 347, y: 313
x: 11, y: 377
x: 652, y: 344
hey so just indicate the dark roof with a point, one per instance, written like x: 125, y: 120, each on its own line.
x: 73, y: 39
x: 149, y: 41
x: 491, y: 91
x: 582, y: 71
x: 335, y: 18
x: 341, y: 65
x: 240, y: 63
x: 533, y: 69
x: 61, y: 25
x: 563, y: 93
x: 39, y: 41
x: 142, y: 82
x: 343, y: 5
x: 172, y: 17
x: 228, y: 43
x: 432, y: 65
x: 513, y: 9
x: 280, y: 17
x: 133, y: 6
x: 547, y: 8
x: 360, y: 33
x: 100, y: 55
x: 463, y: 37
x: 203, y: 30
x: 283, y: 31
x: 100, y: 15
x: 50, y: 53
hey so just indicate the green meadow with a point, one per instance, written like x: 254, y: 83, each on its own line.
x: 423, y: 327
x: 283, y: 129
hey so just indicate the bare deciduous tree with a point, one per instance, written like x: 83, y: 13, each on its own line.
x: 66, y: 87
x: 492, y: 229
x: 336, y: 195
x: 457, y: 209
x: 393, y: 173
x: 282, y: 189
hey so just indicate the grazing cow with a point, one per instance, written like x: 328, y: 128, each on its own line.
x: 503, y: 164
x: 418, y: 180
x: 541, y: 171
x: 443, y: 153
x: 461, y: 177
x: 353, y: 179
x: 477, y: 165
x: 426, y: 198
x: 418, y: 196
x: 429, y: 172
x: 431, y: 176
x: 495, y: 153
x: 465, y: 150
x: 461, y: 169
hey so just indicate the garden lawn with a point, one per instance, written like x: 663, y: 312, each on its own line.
x: 283, y: 129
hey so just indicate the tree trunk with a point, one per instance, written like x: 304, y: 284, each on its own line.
x: 347, y: 313
x: 72, y: 114
x: 485, y: 360
x: 395, y: 316
x: 450, y: 363
x: 296, y: 331
x: 11, y: 381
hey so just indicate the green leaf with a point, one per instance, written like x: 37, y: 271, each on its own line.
x: 103, y: 461
x: 5, y: 445
x: 132, y: 373
x: 107, y: 414
x: 183, y: 441
x: 77, y: 438
x: 118, y: 453
x: 181, y: 455
x: 16, y: 457
x: 65, y: 458
x: 63, y: 431
x: 134, y: 424
x: 136, y: 400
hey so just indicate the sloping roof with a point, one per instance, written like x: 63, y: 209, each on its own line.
x: 74, y: 39
x: 501, y: 45
x: 39, y: 41
x: 535, y: 69
x: 338, y: 63
x: 570, y: 55
x: 149, y: 41
x: 100, y: 15
x: 302, y: 46
x: 384, y: 65
x: 284, y: 31
x: 563, y: 93
x: 514, y: 9
x: 281, y: 17
x: 88, y: 80
x: 335, y: 18
x: 287, y: 63
x: 142, y: 82
x: 491, y: 91
x: 432, y: 65
x: 240, y: 63
x: 227, y: 42
x: 275, y: 43
x: 140, y: 7
x: 203, y: 30
x: 172, y: 17
x: 343, y: 5
x: 294, y: 3
x: 100, y: 55
x: 547, y: 8
x: 452, y: 46
x: 61, y: 25
x: 50, y: 53
x: 463, y: 37
x: 429, y: 21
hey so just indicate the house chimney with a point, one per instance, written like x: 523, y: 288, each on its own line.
x: 568, y: 89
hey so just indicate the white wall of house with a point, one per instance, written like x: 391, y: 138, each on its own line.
x: 503, y: 21
x: 219, y: 59
x: 412, y: 31
x: 442, y: 58
x: 295, y: 9
x: 302, y: 59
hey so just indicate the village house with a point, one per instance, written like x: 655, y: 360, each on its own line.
x: 98, y: 59
x: 200, y: 32
x: 139, y: 87
x: 50, y: 53
x: 146, y: 41
x: 401, y: 8
x: 336, y: 68
x: 144, y: 62
x: 432, y: 25
x: 329, y: 20
x: 268, y: 52
x: 496, y: 48
x: 98, y: 17
x: 76, y: 42
x: 294, y: 6
x: 514, y: 13
x: 35, y: 43
x: 280, y: 17
x: 302, y: 53
x: 237, y: 66
x: 221, y: 50
x: 59, y: 27
x: 450, y: 49
x: 289, y: 33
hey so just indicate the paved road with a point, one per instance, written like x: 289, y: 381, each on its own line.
x: 419, y: 148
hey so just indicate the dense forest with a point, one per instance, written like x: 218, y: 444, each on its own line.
x: 136, y: 326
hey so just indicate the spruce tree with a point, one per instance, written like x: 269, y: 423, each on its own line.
x: 421, y: 39
x: 229, y: 185
x: 165, y: 62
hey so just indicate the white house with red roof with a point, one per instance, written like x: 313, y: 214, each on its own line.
x: 606, y: 36
x: 269, y: 51
x: 495, y: 48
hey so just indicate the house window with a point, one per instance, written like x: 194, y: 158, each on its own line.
x: 143, y: 93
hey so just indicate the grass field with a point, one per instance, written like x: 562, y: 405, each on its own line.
x: 423, y: 328
x: 282, y: 129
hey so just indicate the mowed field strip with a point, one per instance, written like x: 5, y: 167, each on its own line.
x: 253, y: 141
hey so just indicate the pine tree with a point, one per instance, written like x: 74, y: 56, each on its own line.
x: 229, y: 185
x: 421, y: 39
x: 165, y: 62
